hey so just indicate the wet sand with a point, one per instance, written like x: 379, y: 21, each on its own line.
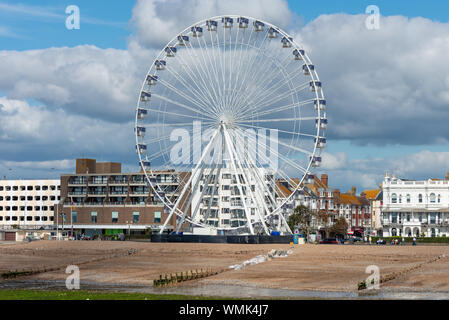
x: 320, y: 268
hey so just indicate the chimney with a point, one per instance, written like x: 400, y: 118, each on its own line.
x: 337, y: 193
x: 353, y: 190
x: 324, y: 179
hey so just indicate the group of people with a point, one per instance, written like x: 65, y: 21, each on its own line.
x: 396, y: 241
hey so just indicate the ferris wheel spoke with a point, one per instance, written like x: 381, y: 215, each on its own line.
x: 186, y: 107
x: 213, y: 63
x: 178, y: 114
x: 265, y: 73
x: 283, y: 108
x: 280, y: 130
x: 245, y: 82
x: 183, y: 95
x: 265, y: 91
x: 238, y: 85
x: 201, y: 89
x: 278, y: 98
x: 276, y: 120
x: 253, y: 70
x: 206, y: 80
x: 282, y: 157
x: 195, y: 92
x: 212, y: 77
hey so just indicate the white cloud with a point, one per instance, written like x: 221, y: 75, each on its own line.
x: 158, y: 21
x: 382, y: 86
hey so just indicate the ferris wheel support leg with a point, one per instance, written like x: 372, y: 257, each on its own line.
x: 251, y: 192
x: 184, y: 215
x: 189, y: 181
x: 192, y: 193
x: 273, y: 200
x: 239, y: 186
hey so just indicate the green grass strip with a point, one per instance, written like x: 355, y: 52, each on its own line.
x: 26, y: 294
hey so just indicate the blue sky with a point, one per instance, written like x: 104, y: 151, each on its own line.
x: 107, y: 24
x: 360, y: 152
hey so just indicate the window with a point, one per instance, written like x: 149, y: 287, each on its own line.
x: 400, y: 198
x: 394, y: 217
x: 15, y: 188
x: 439, y: 198
x: 44, y: 188
x: 432, y: 198
x: 408, y: 217
x: 37, y: 198
x: 29, y: 188
x: 29, y: 218
x: 22, y: 218
x: 14, y: 218
x: 408, y: 198
x: 22, y: 188
x: 8, y: 188
x: 44, y: 218
x: 420, y: 198
x: 394, y: 198
x: 157, y: 217
x: 93, y: 217
x: 37, y: 188
x: 1, y: 218
x: 114, y: 216
x: 74, y: 216
x: 37, y: 218
x: 8, y: 218
x: 37, y: 208
x: 135, y: 217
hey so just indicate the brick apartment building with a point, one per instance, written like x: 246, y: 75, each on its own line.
x: 98, y: 199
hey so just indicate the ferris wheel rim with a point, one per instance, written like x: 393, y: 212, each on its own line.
x: 318, y: 95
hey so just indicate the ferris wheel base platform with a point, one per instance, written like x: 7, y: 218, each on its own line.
x: 242, y: 239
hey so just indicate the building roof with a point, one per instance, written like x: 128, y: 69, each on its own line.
x: 371, y: 194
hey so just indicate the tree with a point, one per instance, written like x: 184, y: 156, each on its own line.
x: 301, y: 219
x: 340, y: 227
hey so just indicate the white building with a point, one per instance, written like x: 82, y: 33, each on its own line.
x: 28, y: 203
x: 413, y: 208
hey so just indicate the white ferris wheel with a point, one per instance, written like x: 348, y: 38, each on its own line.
x: 235, y: 107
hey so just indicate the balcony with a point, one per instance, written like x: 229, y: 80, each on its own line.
x: 77, y: 182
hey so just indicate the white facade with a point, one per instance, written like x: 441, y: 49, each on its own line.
x: 28, y: 203
x: 413, y: 208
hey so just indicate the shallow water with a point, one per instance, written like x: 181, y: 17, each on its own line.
x: 236, y: 291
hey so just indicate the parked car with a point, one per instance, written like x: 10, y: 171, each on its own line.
x: 329, y: 241
x: 355, y: 239
x: 381, y: 241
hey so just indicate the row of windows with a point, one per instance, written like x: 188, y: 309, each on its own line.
x: 29, y: 188
x: 114, y: 217
x: 28, y: 208
x: 28, y: 218
x: 29, y: 198
x: 432, y: 198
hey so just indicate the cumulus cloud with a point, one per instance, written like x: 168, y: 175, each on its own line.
x: 158, y: 21
x: 100, y: 83
x: 368, y: 173
x: 41, y: 134
x: 383, y: 86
